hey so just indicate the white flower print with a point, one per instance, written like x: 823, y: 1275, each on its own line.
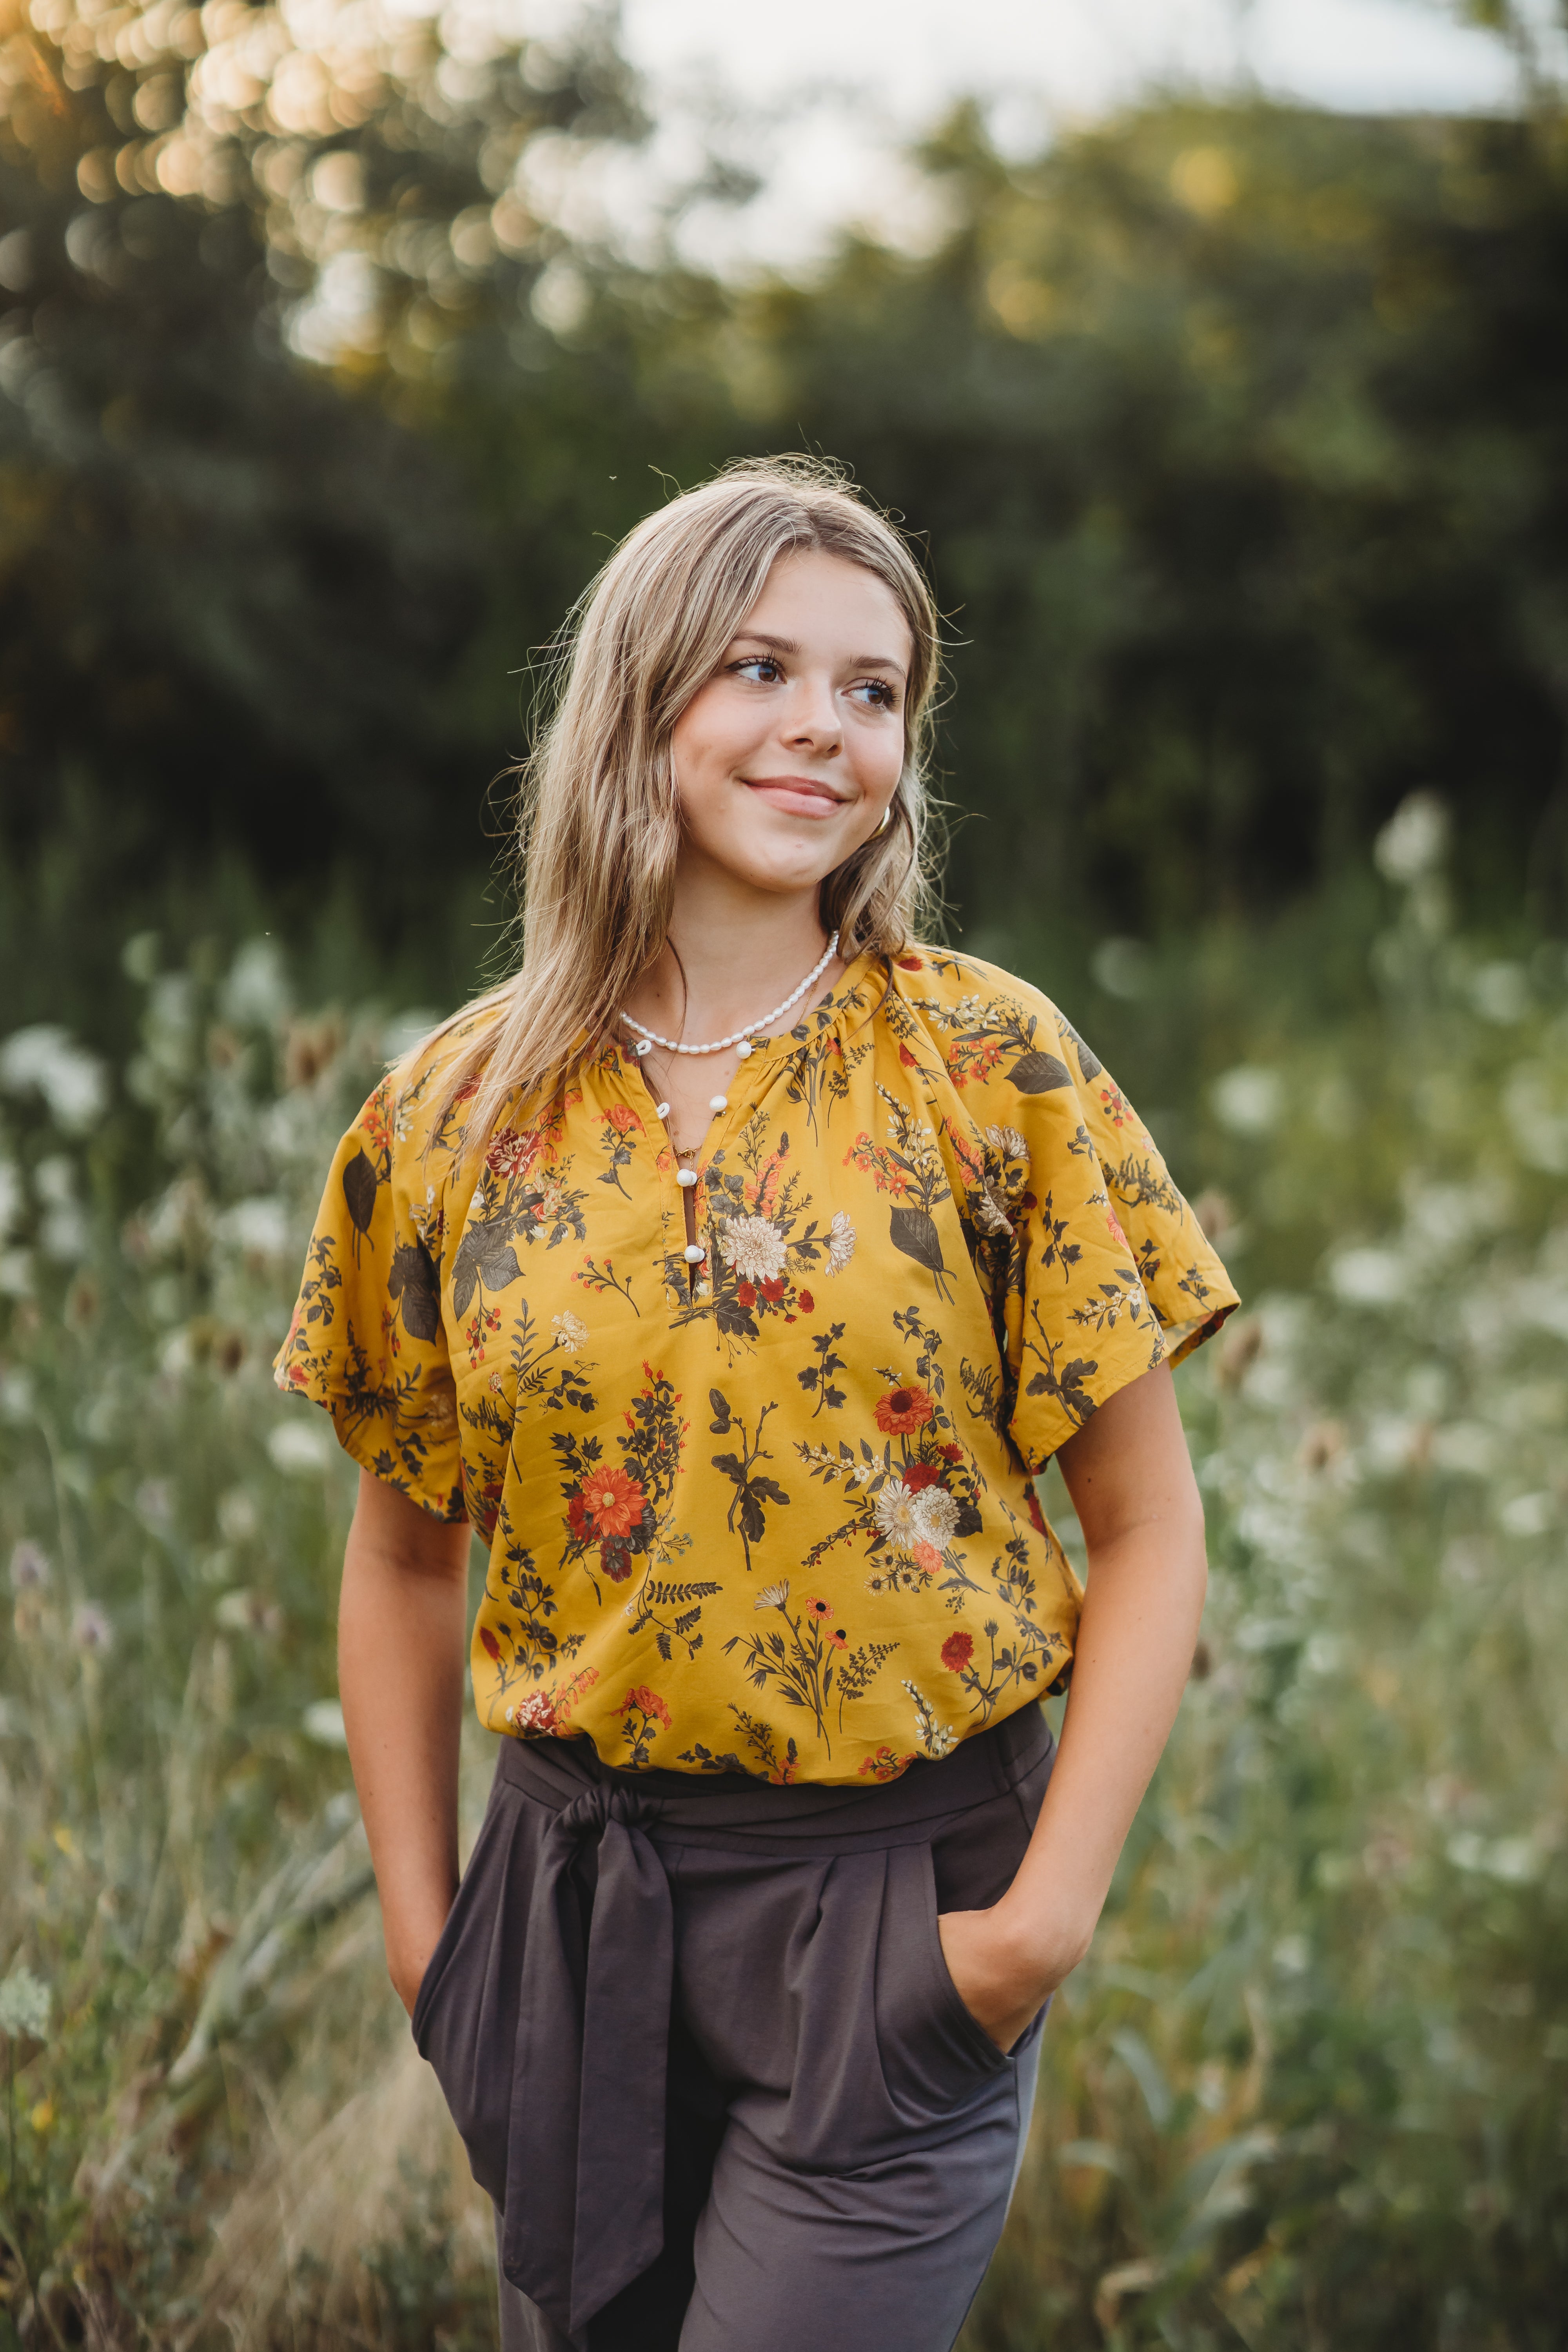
x: 1007, y: 1140
x: 773, y: 1596
x: 841, y: 1243
x: 935, y: 1515
x: 570, y: 1330
x: 897, y: 1512
x: 753, y: 1249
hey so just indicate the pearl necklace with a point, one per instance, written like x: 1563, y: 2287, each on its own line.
x: 741, y: 1039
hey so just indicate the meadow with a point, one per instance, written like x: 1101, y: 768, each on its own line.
x: 1309, y: 2090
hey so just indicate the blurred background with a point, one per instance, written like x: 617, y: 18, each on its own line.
x: 1215, y: 352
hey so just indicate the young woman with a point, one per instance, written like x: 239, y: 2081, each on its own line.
x: 734, y: 1270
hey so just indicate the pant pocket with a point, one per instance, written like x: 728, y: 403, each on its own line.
x: 935, y: 2053
x: 465, y: 2014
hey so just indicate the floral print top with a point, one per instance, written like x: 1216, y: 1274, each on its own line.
x: 773, y: 1512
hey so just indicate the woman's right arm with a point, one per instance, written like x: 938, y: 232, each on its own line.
x: 402, y: 1623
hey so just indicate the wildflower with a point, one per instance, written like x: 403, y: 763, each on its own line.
x: 927, y: 1559
x: 1008, y: 1141
x: 91, y: 1630
x: 841, y: 1243
x: 919, y: 1474
x: 936, y: 1517
x: 957, y: 1650
x: 29, y: 1568
x: 746, y: 1294
x: 773, y: 1596
x: 644, y: 1701
x: 753, y: 1248
x: 902, y: 1410
x: 492, y: 1646
x: 570, y: 1331
x: 816, y: 1608
x: 510, y: 1152
x: 806, y: 1302
x: 895, y: 1514
x: 622, y: 1118
x: 613, y: 1503
x: 535, y: 1714
x: 839, y: 1638
x: 1114, y: 1228
x: 773, y: 1293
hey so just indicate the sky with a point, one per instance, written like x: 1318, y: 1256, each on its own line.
x: 821, y: 93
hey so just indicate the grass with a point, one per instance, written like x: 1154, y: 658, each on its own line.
x: 1309, y: 2089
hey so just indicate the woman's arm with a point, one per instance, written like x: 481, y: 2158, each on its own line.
x: 402, y: 1619
x: 1132, y: 1484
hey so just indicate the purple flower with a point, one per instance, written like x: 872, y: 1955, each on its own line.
x: 30, y: 1568
x: 91, y: 1630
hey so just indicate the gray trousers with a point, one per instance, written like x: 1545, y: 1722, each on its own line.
x: 701, y: 2044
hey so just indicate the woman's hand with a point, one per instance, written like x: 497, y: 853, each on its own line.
x: 1003, y: 1975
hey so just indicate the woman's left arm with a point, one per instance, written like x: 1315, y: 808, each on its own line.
x: 1132, y: 1484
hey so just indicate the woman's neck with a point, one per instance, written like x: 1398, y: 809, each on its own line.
x: 730, y: 957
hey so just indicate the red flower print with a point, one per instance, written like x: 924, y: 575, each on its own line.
x: 927, y: 1559
x: 910, y: 963
x: 910, y: 1061
x: 612, y: 1501
x: 1115, y: 1103
x: 921, y: 1474
x: 1117, y: 1235
x: 807, y: 1302
x: 510, y: 1152
x: 903, y: 1410
x: 492, y: 1647
x: 815, y: 1608
x: 746, y: 1293
x: 951, y: 1453
x: 773, y: 1291
x: 622, y: 1118
x: 1036, y: 1513
x: 839, y: 1638
x: 957, y: 1650
x: 643, y: 1701
x: 577, y: 1517
x: 616, y: 1562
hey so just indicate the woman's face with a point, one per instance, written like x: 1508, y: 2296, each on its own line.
x: 786, y: 758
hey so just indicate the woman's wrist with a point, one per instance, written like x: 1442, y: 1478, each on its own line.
x: 1043, y: 1940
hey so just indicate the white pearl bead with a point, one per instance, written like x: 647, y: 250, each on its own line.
x: 687, y: 1176
x: 694, y: 1253
x: 743, y: 1048
x: 718, y: 1102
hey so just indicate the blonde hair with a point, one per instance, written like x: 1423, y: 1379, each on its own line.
x: 599, y: 825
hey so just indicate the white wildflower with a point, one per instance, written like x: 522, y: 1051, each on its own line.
x: 1007, y: 1140
x: 570, y: 1332
x: 753, y: 1248
x: 773, y: 1596
x: 29, y: 1568
x: 841, y: 1243
x: 897, y: 1515
x: 935, y: 1516
x: 91, y: 1630
x: 24, y: 2004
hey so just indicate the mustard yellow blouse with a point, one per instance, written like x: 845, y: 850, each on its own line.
x: 771, y: 1513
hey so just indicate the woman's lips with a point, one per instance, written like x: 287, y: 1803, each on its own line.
x: 798, y: 794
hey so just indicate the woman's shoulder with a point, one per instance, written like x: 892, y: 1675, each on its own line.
x: 421, y: 1101
x: 988, y: 1023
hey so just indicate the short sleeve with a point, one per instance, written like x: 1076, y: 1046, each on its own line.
x: 366, y: 1338
x: 1111, y: 1273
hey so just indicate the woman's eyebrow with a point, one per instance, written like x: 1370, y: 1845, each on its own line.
x: 791, y: 646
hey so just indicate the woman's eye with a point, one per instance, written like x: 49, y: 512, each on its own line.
x: 880, y: 695
x: 754, y: 663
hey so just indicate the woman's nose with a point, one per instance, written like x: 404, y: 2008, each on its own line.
x: 814, y: 715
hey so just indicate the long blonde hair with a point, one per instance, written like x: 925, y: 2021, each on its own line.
x: 599, y: 827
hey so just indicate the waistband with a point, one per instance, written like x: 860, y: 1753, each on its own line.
x: 732, y: 1810
x: 591, y: 2056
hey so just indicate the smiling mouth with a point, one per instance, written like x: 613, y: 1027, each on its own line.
x: 796, y: 788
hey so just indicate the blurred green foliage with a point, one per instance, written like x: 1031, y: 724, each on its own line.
x: 1237, y: 436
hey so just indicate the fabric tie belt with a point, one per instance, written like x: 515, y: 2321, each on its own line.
x: 584, y: 2209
